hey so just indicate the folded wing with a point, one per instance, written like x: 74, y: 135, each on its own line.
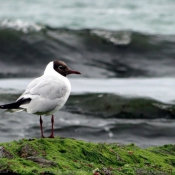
x: 46, y: 94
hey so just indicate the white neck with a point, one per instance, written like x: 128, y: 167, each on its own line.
x: 49, y: 70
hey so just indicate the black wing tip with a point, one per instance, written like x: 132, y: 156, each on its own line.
x: 7, y: 106
x: 2, y: 107
x: 16, y: 104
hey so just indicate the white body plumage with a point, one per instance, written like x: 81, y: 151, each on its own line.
x: 48, y: 93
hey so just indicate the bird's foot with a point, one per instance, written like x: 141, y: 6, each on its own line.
x: 51, y: 136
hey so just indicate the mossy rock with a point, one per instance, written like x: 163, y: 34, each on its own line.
x: 76, y: 157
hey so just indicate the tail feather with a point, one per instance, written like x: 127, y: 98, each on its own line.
x: 17, y: 104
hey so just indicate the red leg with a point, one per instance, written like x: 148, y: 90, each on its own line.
x: 52, y: 121
x: 41, y: 127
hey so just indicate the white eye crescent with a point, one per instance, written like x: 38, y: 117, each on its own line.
x: 60, y: 67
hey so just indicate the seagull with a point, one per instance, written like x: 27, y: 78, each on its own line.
x: 46, y: 94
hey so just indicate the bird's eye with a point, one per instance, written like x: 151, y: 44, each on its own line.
x: 60, y: 67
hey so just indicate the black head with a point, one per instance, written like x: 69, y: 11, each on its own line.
x: 63, y: 69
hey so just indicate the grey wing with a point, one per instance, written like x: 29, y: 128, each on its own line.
x: 46, y: 94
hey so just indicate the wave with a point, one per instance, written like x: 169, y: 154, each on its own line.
x: 114, y: 106
x: 108, y: 105
x: 112, y: 118
x: 25, y: 49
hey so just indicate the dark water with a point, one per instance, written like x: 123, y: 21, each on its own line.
x: 126, y: 109
x: 96, y: 53
x: 98, y: 117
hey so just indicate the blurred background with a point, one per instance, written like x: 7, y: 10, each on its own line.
x: 125, y: 51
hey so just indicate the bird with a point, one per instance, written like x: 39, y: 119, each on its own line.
x: 46, y: 94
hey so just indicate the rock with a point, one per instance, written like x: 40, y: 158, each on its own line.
x: 70, y: 156
x: 27, y: 150
x: 4, y: 153
x: 43, y: 162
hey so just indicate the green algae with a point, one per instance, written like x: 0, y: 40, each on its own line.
x: 76, y: 157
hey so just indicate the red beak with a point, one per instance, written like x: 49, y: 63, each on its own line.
x: 73, y: 72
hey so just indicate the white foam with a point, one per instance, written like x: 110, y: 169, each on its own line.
x: 21, y: 26
x: 122, y: 38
